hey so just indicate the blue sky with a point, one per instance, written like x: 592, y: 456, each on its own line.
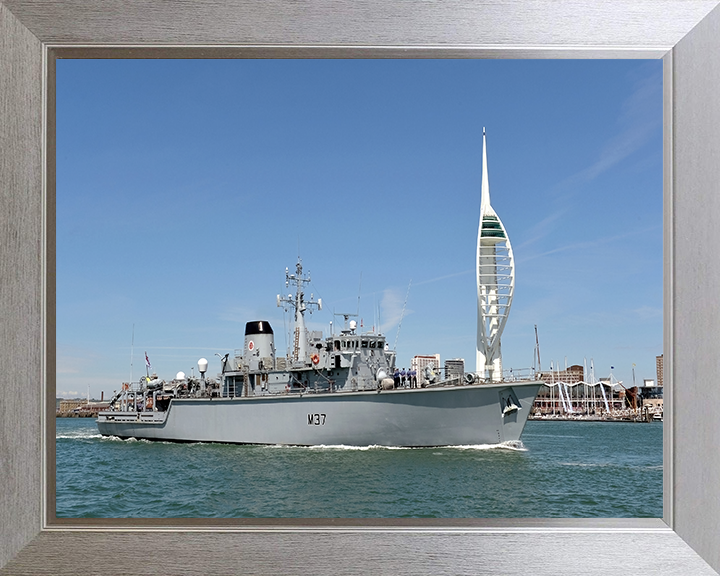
x: 186, y: 187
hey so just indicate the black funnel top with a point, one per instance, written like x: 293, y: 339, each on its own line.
x: 258, y: 327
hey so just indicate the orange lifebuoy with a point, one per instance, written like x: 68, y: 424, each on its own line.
x: 315, y: 359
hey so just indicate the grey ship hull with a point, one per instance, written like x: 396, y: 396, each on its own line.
x: 457, y: 415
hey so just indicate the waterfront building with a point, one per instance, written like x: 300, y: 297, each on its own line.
x: 495, y: 282
x: 80, y: 406
x: 570, y: 375
x: 650, y: 394
x: 570, y: 393
x: 548, y: 397
x: 95, y: 407
x: 70, y: 405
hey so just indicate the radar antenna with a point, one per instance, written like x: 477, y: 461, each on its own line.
x: 347, y: 328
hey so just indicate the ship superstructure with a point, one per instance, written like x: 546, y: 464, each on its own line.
x: 349, y: 361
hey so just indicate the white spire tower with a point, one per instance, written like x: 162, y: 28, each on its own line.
x: 495, y: 283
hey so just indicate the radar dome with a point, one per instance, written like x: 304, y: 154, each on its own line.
x: 353, y: 324
x: 202, y: 365
x: 180, y: 376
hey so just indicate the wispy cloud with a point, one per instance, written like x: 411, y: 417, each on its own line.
x: 616, y: 150
x: 540, y: 230
x: 638, y: 120
x: 392, y: 301
x: 637, y: 123
x: 620, y: 319
x: 73, y: 360
x: 445, y: 277
x: 391, y: 305
x: 78, y: 385
x: 598, y: 240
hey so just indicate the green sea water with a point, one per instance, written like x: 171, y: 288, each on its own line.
x: 562, y: 470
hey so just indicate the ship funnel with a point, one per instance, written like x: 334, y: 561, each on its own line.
x: 259, y: 351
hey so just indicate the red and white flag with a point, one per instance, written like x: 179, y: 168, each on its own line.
x: 147, y: 361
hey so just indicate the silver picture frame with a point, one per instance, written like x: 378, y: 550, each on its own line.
x: 684, y: 33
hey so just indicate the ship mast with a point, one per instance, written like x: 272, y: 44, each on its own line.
x: 298, y: 302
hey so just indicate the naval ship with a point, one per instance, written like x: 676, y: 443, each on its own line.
x: 337, y: 390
